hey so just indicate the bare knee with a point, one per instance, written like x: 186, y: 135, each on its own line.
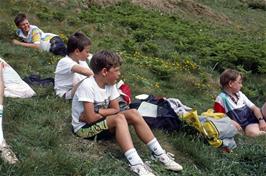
x: 120, y: 119
x: 133, y: 116
x: 114, y: 121
x: 252, y: 131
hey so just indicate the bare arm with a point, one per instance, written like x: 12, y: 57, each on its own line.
x: 88, y: 115
x: 82, y: 70
x: 28, y: 45
x: 259, y: 116
x: 113, y: 108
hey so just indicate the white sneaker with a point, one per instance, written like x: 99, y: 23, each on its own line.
x: 168, y: 160
x: 7, y: 154
x: 142, y: 169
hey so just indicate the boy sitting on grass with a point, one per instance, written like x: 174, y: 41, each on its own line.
x: 6, y: 153
x: 245, y: 114
x: 73, y: 68
x: 95, y: 112
x: 33, y: 37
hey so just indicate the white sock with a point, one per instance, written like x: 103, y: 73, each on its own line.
x: 155, y: 147
x: 133, y: 157
x: 1, y: 128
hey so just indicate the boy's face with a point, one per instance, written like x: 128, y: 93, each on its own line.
x: 112, y: 75
x: 236, y: 85
x: 83, y: 55
x: 24, y: 26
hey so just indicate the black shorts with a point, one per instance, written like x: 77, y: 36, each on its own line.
x: 98, y: 130
x: 57, y: 46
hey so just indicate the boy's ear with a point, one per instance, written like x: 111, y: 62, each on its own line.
x: 76, y: 51
x: 104, y: 71
x: 230, y: 84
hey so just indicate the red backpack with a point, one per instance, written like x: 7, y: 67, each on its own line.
x: 124, y: 90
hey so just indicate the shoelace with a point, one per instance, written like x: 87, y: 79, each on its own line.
x: 171, y: 156
x: 146, y: 166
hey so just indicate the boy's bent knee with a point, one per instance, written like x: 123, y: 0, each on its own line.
x: 119, y: 118
x: 116, y: 120
x: 133, y: 111
x: 252, y: 131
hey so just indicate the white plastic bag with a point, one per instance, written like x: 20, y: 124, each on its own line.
x: 15, y: 87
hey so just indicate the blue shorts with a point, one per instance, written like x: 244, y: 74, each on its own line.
x: 244, y: 116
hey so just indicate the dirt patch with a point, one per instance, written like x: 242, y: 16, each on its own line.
x: 187, y: 8
x: 103, y: 2
x: 183, y: 8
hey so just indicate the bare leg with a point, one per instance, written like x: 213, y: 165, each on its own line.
x: 1, y: 102
x: 6, y: 153
x: 253, y: 130
x: 263, y: 111
x: 142, y: 129
x: 119, y: 124
x: 1, y: 84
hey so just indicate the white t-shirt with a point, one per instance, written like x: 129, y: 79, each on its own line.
x: 241, y: 102
x: 89, y: 91
x: 64, y: 77
x: 37, y: 36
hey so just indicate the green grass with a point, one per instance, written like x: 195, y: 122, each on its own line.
x: 164, y: 54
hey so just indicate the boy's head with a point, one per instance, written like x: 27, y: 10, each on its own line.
x: 77, y: 43
x: 228, y: 76
x: 107, y: 64
x: 22, y: 22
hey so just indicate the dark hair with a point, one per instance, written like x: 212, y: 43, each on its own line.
x: 19, y: 18
x: 104, y: 59
x: 228, y: 75
x: 77, y: 41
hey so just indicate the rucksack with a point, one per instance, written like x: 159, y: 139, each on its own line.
x: 217, y: 128
x: 125, y: 91
x: 166, y: 118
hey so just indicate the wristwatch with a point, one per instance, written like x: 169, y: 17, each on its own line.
x: 97, y: 110
x: 260, y: 118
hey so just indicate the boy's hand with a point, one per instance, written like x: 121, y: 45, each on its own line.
x: 238, y: 127
x: 16, y: 42
x: 262, y: 125
x: 82, y: 117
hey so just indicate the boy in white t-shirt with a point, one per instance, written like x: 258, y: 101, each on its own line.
x: 34, y: 37
x: 96, y: 112
x: 73, y: 68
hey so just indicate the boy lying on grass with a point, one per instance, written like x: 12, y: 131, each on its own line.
x: 34, y: 37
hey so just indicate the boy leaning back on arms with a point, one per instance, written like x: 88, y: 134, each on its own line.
x: 73, y: 68
x: 95, y: 111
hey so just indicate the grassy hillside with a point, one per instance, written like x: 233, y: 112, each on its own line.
x: 174, y: 49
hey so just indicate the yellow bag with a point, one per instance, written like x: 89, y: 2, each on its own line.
x: 215, y: 115
x: 205, y: 126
